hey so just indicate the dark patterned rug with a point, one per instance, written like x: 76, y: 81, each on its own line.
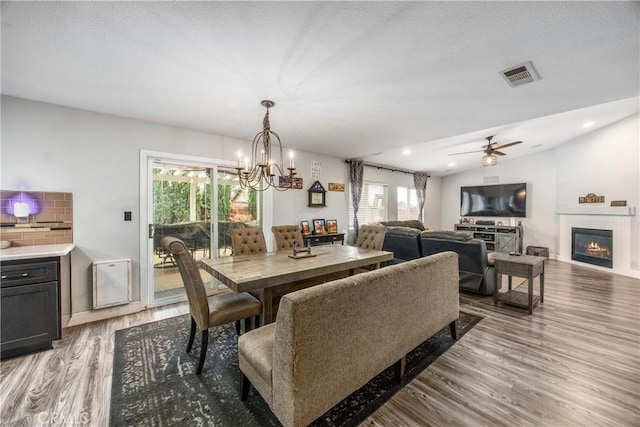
x: 154, y: 383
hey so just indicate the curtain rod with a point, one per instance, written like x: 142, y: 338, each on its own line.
x: 386, y: 168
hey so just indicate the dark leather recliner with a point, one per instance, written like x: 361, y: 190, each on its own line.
x: 404, y: 242
x: 475, y: 268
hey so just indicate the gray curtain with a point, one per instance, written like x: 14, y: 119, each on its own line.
x: 356, y: 173
x: 420, y: 181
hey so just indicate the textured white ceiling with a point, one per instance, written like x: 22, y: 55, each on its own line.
x: 349, y: 78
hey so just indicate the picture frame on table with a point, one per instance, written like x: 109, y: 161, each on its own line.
x: 304, y: 226
x: 319, y: 226
x: 332, y: 226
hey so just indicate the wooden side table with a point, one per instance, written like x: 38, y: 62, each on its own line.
x: 527, y: 266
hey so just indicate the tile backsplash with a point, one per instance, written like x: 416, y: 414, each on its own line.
x: 51, y: 221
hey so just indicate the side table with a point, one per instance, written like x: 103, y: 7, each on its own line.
x: 323, y: 239
x: 527, y: 266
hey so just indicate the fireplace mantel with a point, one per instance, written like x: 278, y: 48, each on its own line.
x: 618, y: 219
x: 596, y: 210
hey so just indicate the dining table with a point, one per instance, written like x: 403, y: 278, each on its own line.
x: 271, y: 275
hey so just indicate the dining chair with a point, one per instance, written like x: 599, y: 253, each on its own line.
x: 248, y: 241
x: 207, y: 312
x: 286, y: 235
x: 371, y: 237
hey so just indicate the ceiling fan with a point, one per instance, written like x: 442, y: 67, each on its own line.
x: 491, y: 151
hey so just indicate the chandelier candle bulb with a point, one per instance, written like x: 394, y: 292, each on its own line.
x: 291, y: 164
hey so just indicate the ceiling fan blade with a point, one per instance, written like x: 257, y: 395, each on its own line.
x: 499, y: 153
x: 467, y: 152
x: 507, y: 145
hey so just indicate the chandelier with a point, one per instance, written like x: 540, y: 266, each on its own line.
x: 261, y: 171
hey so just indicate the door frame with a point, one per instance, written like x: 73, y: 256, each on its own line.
x: 146, y: 205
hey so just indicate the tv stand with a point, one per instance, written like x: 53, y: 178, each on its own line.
x: 498, y: 238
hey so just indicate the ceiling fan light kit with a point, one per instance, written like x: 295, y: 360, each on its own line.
x: 489, y: 160
x: 491, y: 153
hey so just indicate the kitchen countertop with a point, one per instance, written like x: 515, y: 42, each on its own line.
x: 37, y: 251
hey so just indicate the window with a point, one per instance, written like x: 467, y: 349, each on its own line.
x: 373, y: 204
x: 407, y: 204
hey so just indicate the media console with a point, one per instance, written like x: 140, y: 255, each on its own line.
x: 499, y: 238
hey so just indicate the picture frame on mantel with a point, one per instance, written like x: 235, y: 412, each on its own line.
x: 332, y: 226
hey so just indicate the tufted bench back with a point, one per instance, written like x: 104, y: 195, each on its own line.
x: 371, y: 237
x: 285, y: 235
x: 246, y: 241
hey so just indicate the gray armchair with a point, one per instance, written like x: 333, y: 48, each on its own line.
x: 475, y: 268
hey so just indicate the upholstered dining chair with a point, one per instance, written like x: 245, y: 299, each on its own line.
x: 285, y: 235
x: 371, y: 237
x: 207, y: 312
x: 248, y: 241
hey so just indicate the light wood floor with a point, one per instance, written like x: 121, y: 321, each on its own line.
x: 574, y: 362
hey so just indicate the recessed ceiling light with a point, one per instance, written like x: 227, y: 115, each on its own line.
x: 452, y: 164
x: 406, y: 151
x: 588, y: 124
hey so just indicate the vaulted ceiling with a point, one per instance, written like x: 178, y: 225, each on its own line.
x: 350, y: 79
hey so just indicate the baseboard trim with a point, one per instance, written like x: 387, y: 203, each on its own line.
x: 106, y: 313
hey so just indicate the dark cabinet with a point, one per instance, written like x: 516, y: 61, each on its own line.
x: 30, y: 304
x: 323, y: 239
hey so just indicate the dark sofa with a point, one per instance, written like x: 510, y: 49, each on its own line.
x: 475, y: 267
x: 410, y: 223
x: 404, y: 242
x: 403, y: 239
x: 407, y: 241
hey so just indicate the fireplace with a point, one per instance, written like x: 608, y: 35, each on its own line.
x: 592, y: 246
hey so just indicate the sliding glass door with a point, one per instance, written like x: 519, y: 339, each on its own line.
x: 181, y: 200
x: 199, y: 204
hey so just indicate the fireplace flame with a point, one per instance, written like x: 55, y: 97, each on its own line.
x: 593, y: 248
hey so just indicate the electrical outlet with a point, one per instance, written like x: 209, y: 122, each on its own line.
x: 127, y: 216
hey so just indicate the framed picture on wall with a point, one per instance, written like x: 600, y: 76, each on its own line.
x: 319, y: 226
x: 332, y: 226
x: 304, y: 226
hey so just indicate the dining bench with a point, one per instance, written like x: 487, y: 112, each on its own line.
x: 330, y: 340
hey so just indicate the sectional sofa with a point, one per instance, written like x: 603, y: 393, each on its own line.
x: 408, y: 240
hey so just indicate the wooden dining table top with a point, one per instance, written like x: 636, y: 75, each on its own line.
x: 244, y: 273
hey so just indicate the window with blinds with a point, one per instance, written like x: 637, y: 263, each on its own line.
x: 373, y: 204
x: 407, y: 204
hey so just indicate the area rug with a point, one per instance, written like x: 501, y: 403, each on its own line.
x: 154, y: 383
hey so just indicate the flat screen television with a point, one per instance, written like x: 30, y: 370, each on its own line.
x: 504, y: 200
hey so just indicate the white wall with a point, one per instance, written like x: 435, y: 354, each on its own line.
x: 96, y: 157
x: 291, y: 207
x: 605, y: 161
x: 538, y: 171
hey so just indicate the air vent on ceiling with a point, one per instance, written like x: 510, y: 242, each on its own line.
x: 520, y: 74
x: 491, y: 179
